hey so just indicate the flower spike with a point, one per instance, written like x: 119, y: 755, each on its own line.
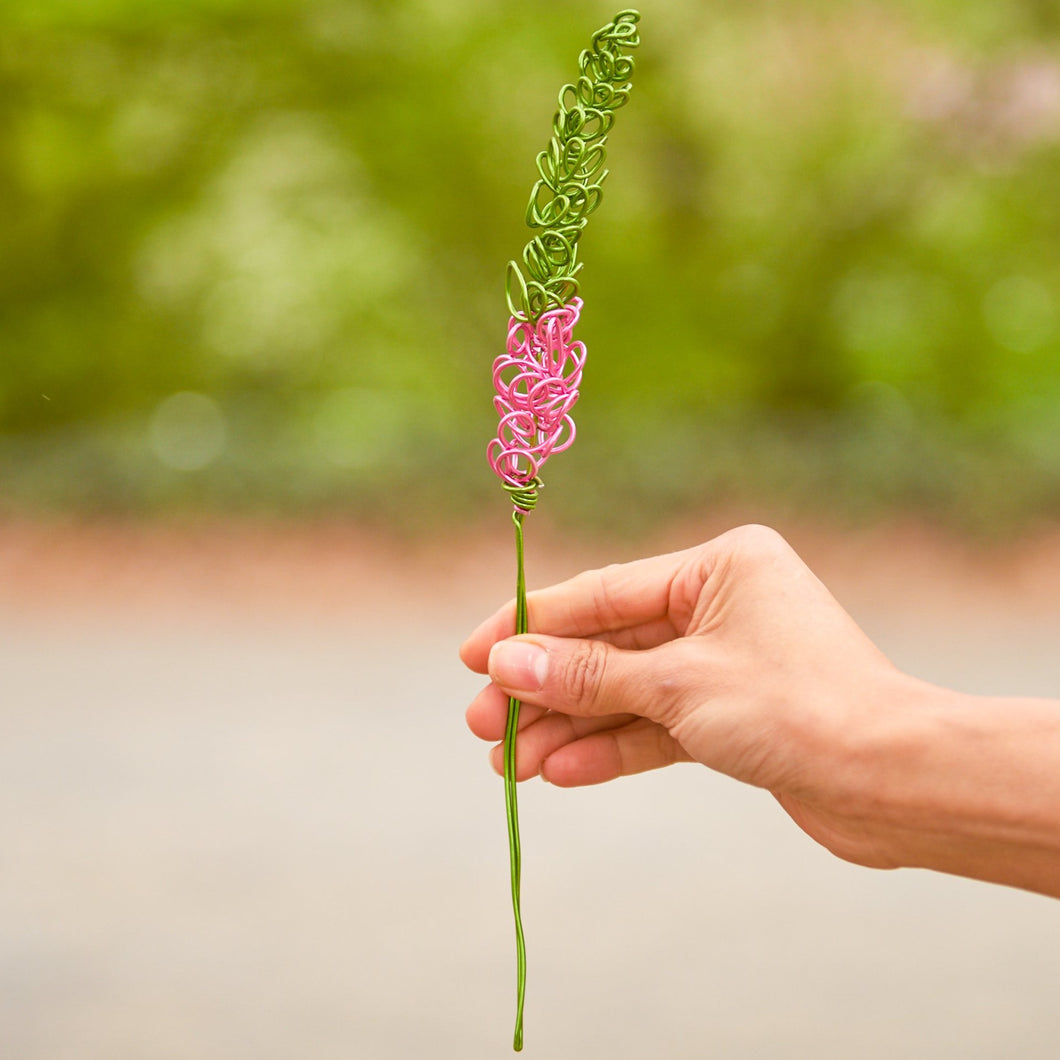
x: 537, y: 378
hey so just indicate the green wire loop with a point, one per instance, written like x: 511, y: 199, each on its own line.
x: 572, y: 172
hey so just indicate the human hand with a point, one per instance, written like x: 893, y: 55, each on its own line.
x: 734, y: 655
x: 731, y: 654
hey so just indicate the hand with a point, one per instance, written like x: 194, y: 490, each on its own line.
x: 734, y: 655
x: 731, y: 654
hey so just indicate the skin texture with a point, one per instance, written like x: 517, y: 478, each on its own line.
x: 733, y: 655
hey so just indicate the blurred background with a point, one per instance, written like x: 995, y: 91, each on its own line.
x: 253, y: 255
x: 251, y: 287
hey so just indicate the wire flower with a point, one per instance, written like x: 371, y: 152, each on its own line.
x: 536, y: 379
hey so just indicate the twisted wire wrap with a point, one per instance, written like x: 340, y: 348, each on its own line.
x: 524, y: 498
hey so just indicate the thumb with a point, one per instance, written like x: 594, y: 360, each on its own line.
x: 586, y: 677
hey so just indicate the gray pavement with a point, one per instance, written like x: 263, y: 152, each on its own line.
x: 232, y: 838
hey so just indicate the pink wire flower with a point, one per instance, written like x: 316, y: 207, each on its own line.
x: 536, y: 380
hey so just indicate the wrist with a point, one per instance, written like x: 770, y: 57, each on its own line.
x: 967, y: 784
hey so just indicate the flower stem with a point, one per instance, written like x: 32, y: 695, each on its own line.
x: 510, y: 798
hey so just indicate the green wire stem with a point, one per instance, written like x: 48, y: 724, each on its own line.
x: 524, y: 498
x: 511, y: 799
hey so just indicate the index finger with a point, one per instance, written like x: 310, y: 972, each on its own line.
x: 623, y: 596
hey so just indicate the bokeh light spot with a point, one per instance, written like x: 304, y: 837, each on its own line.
x: 188, y: 431
x: 1020, y: 313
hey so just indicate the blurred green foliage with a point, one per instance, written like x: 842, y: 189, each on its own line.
x: 252, y: 255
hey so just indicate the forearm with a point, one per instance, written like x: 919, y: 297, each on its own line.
x: 971, y: 786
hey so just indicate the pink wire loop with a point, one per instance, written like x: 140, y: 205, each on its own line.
x: 536, y: 381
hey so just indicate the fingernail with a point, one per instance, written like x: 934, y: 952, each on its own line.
x: 518, y: 666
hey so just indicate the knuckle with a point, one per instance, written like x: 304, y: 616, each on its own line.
x: 596, y: 586
x: 754, y: 547
x: 757, y: 540
x: 585, y: 672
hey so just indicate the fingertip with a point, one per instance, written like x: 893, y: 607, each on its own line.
x: 580, y: 764
x: 553, y: 773
x: 519, y: 665
x: 497, y: 759
x: 474, y: 652
x: 524, y: 770
x: 543, y: 772
x: 472, y: 655
x: 486, y: 714
x: 474, y: 722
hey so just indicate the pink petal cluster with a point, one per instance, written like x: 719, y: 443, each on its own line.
x: 537, y: 381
